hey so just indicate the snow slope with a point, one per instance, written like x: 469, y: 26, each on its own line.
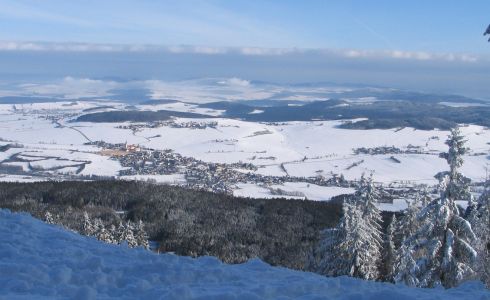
x: 40, y: 261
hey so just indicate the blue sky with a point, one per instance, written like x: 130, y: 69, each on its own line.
x: 426, y: 45
x: 418, y: 25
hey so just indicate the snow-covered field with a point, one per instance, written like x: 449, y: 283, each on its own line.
x: 41, y: 261
x: 292, y: 190
x: 292, y: 148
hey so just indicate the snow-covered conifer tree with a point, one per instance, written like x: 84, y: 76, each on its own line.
x: 141, y: 235
x: 369, y: 232
x: 113, y: 232
x: 88, y: 227
x: 354, y: 247
x: 119, y: 233
x: 102, y: 233
x: 442, y: 247
x: 408, y: 223
x: 457, y: 185
x: 48, y: 218
x: 389, y: 250
x: 406, y: 268
x: 128, y: 235
x: 334, y: 247
x: 481, y: 224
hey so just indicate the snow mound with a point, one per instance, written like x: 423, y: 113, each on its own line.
x: 40, y: 261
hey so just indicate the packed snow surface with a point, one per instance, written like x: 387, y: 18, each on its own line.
x: 41, y: 261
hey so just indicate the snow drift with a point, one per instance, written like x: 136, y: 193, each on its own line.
x: 41, y: 261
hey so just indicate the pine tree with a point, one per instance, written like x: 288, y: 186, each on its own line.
x: 119, y: 236
x: 481, y: 223
x: 334, y: 247
x: 389, y: 250
x: 442, y: 247
x: 408, y: 224
x: 113, y: 234
x: 369, y: 232
x: 127, y: 235
x: 88, y: 228
x: 48, y: 218
x: 102, y: 233
x: 471, y: 211
x: 141, y: 235
x: 354, y: 247
x: 406, y: 267
x: 457, y: 185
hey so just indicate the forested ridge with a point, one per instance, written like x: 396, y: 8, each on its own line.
x: 186, y: 222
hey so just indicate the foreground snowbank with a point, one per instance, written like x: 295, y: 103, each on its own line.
x: 40, y: 261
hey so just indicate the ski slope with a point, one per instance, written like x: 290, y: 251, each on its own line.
x: 41, y: 261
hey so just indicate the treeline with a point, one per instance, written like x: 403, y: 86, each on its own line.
x: 422, y: 115
x: 136, y: 116
x: 129, y: 233
x: 434, y: 242
x: 186, y: 222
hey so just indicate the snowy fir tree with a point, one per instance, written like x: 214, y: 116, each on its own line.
x: 88, y: 228
x: 48, y: 218
x: 141, y: 235
x: 102, y: 233
x: 443, y: 245
x: 406, y: 269
x: 408, y: 224
x: 404, y: 266
x: 119, y: 233
x: 369, y: 235
x: 113, y: 233
x: 354, y: 247
x: 333, y: 248
x: 457, y: 184
x: 481, y: 223
x: 127, y: 235
x: 389, y: 250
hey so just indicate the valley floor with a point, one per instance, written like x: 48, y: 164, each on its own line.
x: 40, y: 261
x: 299, y: 160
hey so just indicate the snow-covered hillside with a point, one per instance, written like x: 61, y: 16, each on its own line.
x: 48, y: 143
x: 40, y: 261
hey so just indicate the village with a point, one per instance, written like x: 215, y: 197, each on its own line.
x: 135, y: 127
x: 214, y: 177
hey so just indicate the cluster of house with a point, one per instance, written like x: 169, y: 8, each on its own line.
x: 215, y: 177
x: 171, y: 123
x: 388, y: 150
x: 210, y: 176
x: 120, y: 148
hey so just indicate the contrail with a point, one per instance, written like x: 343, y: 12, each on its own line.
x: 374, y: 32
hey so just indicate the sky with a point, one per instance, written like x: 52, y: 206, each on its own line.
x: 435, y: 45
x: 436, y: 25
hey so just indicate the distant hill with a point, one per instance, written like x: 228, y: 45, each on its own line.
x: 381, y: 114
x: 136, y: 116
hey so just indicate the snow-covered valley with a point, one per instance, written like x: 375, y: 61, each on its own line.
x: 44, y: 141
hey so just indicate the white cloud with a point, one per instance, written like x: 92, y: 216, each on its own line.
x: 207, y: 90
x: 407, y: 55
x: 246, y: 51
x: 234, y: 81
x: 71, y: 88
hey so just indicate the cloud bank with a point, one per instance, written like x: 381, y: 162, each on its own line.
x: 245, y: 51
